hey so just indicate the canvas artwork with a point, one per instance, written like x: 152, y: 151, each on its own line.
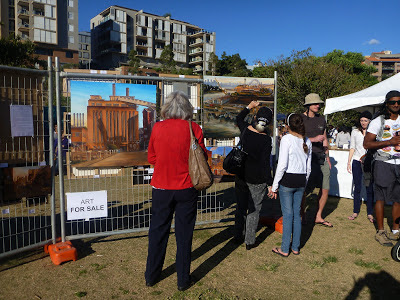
x: 111, y: 123
x: 26, y: 182
x: 225, y: 97
x: 216, y: 160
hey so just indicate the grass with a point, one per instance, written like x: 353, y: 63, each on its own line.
x: 80, y: 294
x: 356, y: 251
x: 270, y: 267
x: 113, y: 267
x: 330, y: 259
x: 98, y: 267
x: 367, y: 265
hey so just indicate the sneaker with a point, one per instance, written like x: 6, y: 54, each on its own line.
x: 382, y: 238
x: 394, y: 236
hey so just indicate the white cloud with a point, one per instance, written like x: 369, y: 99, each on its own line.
x: 373, y: 42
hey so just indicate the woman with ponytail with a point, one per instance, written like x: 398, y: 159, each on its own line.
x: 292, y: 172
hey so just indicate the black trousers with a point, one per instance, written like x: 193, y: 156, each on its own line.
x: 165, y: 203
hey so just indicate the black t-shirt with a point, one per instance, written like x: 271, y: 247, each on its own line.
x: 257, y: 167
x: 315, y: 126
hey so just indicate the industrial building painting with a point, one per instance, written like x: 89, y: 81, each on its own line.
x: 111, y: 123
x: 225, y: 97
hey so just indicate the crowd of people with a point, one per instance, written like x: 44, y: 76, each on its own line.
x: 303, y: 165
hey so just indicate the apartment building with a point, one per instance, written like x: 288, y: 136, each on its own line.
x: 52, y: 25
x: 386, y: 63
x: 117, y: 30
x: 85, y: 57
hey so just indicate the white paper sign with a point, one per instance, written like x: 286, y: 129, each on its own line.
x: 86, y: 205
x: 21, y: 120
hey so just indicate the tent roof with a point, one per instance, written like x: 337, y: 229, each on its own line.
x: 373, y: 95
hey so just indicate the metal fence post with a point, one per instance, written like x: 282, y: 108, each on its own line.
x: 59, y: 152
x: 51, y: 149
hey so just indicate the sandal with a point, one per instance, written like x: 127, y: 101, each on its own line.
x: 371, y: 218
x: 353, y: 216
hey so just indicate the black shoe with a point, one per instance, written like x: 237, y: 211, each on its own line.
x: 250, y: 246
x: 186, y: 286
x: 150, y: 284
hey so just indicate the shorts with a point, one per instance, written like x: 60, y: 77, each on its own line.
x: 319, y: 177
x: 386, y: 181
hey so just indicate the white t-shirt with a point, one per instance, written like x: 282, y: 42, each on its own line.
x: 391, y: 128
x: 292, y: 158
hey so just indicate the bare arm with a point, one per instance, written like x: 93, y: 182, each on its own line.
x: 370, y: 142
x: 351, y: 153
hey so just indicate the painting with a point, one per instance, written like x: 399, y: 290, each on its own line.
x: 225, y: 97
x: 215, y: 162
x: 111, y: 123
x: 26, y: 182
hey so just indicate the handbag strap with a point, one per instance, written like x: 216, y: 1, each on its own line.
x: 192, y: 137
x: 240, y: 138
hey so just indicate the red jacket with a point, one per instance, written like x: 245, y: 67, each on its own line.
x: 168, y: 151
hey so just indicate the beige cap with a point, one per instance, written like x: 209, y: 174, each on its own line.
x: 313, y: 99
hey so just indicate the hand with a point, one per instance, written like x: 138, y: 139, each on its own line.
x: 394, y: 141
x: 271, y: 194
x: 349, y: 167
x: 253, y: 104
x: 319, y: 138
x: 329, y: 162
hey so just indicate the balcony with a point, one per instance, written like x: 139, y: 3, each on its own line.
x: 38, y: 12
x: 198, y: 69
x: 161, y: 38
x: 196, y: 60
x: 388, y: 68
x: 23, y: 26
x: 195, y: 51
x: 199, y: 33
x: 141, y: 45
x: 197, y: 42
x: 141, y: 53
x: 23, y: 11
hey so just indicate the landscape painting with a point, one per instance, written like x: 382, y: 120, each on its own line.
x: 225, y: 97
x: 111, y: 123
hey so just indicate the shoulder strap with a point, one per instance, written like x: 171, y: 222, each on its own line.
x: 192, y: 137
x: 380, y: 132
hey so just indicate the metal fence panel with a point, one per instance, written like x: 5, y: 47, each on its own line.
x: 128, y: 188
x: 25, y: 176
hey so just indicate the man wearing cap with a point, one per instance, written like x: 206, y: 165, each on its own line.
x: 315, y: 125
x: 383, y: 134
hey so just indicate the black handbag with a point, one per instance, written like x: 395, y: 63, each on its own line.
x: 234, y: 161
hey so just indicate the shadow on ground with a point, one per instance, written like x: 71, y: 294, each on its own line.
x: 381, y: 286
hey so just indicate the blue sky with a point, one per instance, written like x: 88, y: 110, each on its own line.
x: 81, y: 91
x: 264, y: 29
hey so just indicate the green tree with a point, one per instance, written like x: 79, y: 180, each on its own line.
x: 302, y: 73
x: 232, y: 65
x: 168, y: 63
x: 18, y: 53
x: 134, y: 62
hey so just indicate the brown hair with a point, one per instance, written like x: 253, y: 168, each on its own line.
x: 296, y: 124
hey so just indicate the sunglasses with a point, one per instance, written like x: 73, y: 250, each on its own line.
x: 393, y: 102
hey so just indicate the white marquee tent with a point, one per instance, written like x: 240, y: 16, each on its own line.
x: 373, y: 95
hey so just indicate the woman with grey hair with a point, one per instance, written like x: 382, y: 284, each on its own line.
x: 173, y: 191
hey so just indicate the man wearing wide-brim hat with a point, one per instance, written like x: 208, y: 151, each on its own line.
x: 315, y: 125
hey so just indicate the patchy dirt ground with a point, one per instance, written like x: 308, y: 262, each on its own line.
x: 343, y: 262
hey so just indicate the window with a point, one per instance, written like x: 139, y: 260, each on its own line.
x: 71, y: 39
x: 71, y: 3
x: 69, y: 54
x: 70, y: 15
x: 70, y: 27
